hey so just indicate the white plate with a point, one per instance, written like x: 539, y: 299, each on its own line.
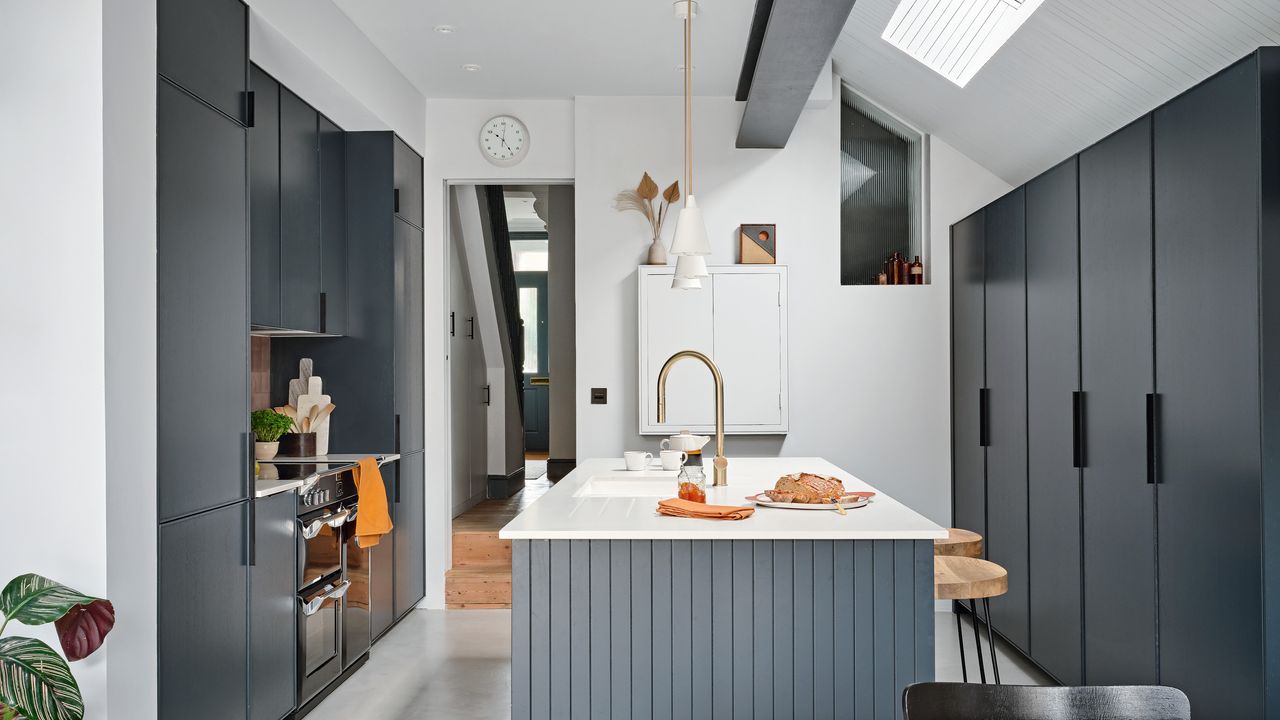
x: 763, y: 500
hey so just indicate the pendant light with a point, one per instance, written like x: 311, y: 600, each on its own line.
x: 690, y: 245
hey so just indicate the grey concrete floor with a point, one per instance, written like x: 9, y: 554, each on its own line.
x: 456, y: 665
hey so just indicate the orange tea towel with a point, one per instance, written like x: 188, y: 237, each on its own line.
x: 675, y: 507
x: 372, y: 520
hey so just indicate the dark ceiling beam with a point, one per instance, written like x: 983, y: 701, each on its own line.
x: 789, y: 45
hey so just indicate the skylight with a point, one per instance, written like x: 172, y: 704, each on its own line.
x: 955, y: 38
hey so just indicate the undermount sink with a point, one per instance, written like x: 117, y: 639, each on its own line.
x: 643, y: 483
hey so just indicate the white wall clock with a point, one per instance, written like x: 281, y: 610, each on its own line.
x: 504, y: 140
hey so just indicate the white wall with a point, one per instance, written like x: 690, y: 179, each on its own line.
x: 51, y: 246
x: 869, y: 366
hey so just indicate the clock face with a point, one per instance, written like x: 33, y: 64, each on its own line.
x: 504, y: 140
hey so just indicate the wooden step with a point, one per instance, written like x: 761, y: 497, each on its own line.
x: 478, y: 586
x: 480, y: 548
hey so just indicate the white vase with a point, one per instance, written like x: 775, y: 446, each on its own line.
x: 657, y: 253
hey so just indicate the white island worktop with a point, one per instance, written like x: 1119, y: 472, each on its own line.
x: 600, y: 499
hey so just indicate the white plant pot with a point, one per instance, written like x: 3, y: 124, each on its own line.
x: 265, y: 450
x: 657, y: 253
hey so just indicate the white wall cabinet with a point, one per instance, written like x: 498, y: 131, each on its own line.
x: 739, y: 320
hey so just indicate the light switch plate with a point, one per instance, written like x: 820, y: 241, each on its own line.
x: 599, y: 396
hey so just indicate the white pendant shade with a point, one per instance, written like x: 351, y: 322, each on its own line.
x: 680, y: 283
x: 691, y: 266
x: 691, y: 231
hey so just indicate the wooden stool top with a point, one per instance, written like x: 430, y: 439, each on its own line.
x: 964, y: 543
x: 964, y: 578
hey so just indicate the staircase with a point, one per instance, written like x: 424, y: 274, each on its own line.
x: 481, y: 572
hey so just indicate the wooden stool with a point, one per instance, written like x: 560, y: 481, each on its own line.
x: 972, y: 579
x: 961, y: 543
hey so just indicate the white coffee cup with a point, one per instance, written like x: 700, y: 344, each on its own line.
x: 637, y: 460
x: 673, y: 459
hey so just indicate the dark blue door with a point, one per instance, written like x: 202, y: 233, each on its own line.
x: 532, y: 293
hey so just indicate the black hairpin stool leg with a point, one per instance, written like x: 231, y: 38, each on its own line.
x: 977, y: 639
x: 991, y: 640
x: 964, y: 670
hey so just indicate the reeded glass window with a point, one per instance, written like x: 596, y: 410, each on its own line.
x: 529, y: 314
x: 881, y: 188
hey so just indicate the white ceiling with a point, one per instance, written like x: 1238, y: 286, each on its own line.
x: 1076, y: 71
x: 555, y: 48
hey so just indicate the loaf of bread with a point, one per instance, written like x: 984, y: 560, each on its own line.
x: 806, y: 488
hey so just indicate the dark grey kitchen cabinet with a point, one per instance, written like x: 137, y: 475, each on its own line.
x: 264, y: 201
x: 300, y: 247
x: 1004, y: 260
x: 333, y: 228
x: 273, y: 644
x: 1054, y: 450
x: 408, y: 183
x: 202, y: 363
x: 382, y: 564
x: 968, y: 373
x: 1116, y: 366
x: 410, y: 501
x: 202, y: 615
x: 1207, y: 168
x: 410, y: 395
x: 203, y: 47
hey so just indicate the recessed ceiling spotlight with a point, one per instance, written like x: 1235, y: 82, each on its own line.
x: 471, y: 67
x: 445, y: 29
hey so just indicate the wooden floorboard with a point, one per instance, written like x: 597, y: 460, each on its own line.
x: 481, y: 573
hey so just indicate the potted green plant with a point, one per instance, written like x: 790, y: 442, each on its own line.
x: 268, y: 426
x: 35, y: 682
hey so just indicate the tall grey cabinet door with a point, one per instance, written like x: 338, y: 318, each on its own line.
x: 408, y: 183
x: 333, y: 228
x: 203, y: 615
x: 968, y: 374
x: 1006, y: 320
x: 1206, y: 217
x: 299, y: 214
x: 410, y: 396
x: 1053, y: 379
x: 202, y: 339
x: 203, y: 46
x: 410, y: 500
x: 1116, y: 365
x: 273, y: 646
x: 382, y: 564
x: 264, y: 205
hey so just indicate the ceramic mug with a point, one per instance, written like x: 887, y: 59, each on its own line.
x: 637, y: 460
x: 673, y: 459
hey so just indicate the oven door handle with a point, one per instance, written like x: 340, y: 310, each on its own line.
x: 333, y: 520
x: 339, y: 518
x: 312, y: 606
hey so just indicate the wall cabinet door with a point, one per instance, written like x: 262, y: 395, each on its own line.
x: 748, y: 349
x: 1116, y: 364
x: 382, y: 563
x: 410, y: 391
x: 683, y: 318
x: 203, y: 615
x: 1206, y: 330
x: 264, y: 201
x: 410, y: 499
x: 203, y: 346
x: 299, y: 214
x: 408, y: 183
x: 968, y: 374
x: 1006, y: 321
x: 1053, y: 379
x: 273, y: 647
x: 203, y: 46
x: 333, y: 229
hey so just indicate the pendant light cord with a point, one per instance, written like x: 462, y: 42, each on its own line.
x: 688, y: 98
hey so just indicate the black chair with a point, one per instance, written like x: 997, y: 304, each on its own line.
x: 962, y: 701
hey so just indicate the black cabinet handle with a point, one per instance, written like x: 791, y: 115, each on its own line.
x: 397, y: 433
x: 471, y: 328
x: 1153, y: 438
x: 1077, y: 429
x: 984, y: 426
x: 250, y: 110
x: 253, y: 532
x: 397, y: 199
x: 452, y: 316
x: 488, y: 397
x: 324, y: 312
x: 249, y: 462
x: 397, y: 492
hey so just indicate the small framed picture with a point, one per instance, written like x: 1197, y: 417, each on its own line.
x: 758, y: 245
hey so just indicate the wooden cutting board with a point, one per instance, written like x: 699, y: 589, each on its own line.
x: 309, y: 401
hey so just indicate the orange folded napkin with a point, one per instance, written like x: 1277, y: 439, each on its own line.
x: 676, y: 507
x: 372, y: 520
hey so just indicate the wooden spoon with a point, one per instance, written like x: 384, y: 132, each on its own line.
x: 323, y: 414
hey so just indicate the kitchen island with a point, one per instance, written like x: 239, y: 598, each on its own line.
x: 618, y: 611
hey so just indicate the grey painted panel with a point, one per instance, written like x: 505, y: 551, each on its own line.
x: 783, y: 655
x: 620, y: 633
x: 520, y: 637
x: 540, y: 629
x: 843, y: 606
x: 923, y: 590
x: 744, y: 638
x: 882, y: 613
x: 802, y: 629
x: 642, y: 628
x: 701, y: 607
x: 561, y: 630
x: 682, y: 629
x: 763, y: 618
x: 580, y: 632
x: 824, y: 628
x: 599, y: 621
x: 904, y: 620
x: 722, y: 629
x: 663, y: 625
x: 864, y: 665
